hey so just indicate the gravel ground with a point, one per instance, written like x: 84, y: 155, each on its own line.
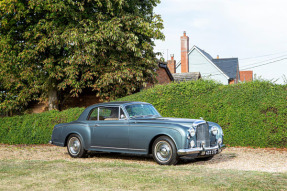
x: 242, y: 158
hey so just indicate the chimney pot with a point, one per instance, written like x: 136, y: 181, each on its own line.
x: 217, y: 56
x: 171, y: 64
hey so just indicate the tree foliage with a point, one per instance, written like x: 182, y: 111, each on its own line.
x: 57, y: 48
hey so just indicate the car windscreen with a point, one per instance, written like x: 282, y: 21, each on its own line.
x: 141, y: 110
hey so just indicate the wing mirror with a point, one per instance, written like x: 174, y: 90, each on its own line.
x: 123, y: 116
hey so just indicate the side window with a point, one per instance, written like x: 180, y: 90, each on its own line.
x: 94, y: 115
x: 109, y: 113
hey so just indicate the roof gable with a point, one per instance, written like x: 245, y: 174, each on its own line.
x: 200, y: 50
x: 227, y: 66
x: 208, y: 58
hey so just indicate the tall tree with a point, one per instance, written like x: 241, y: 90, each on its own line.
x: 59, y: 47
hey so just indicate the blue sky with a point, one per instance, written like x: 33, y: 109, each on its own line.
x: 255, y: 31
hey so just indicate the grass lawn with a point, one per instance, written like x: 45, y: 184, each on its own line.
x: 75, y: 175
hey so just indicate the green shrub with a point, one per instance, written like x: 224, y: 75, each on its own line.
x: 251, y: 114
x: 34, y: 128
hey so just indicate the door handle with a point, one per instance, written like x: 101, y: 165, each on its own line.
x: 96, y: 125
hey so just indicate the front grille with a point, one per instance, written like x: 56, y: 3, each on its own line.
x: 202, y: 135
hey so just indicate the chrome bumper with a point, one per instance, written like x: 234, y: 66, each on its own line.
x: 200, y: 149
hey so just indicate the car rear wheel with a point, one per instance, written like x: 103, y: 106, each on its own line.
x: 75, y: 147
x: 164, y: 151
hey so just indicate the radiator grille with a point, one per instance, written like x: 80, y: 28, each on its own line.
x: 202, y: 134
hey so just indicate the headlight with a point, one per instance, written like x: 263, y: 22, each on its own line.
x: 191, y: 132
x: 214, y: 130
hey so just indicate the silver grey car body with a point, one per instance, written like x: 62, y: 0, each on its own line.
x: 136, y: 127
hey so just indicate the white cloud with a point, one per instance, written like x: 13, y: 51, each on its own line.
x: 200, y: 23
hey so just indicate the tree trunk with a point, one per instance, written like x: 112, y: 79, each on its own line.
x: 53, y: 99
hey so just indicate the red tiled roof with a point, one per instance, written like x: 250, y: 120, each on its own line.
x: 246, y: 76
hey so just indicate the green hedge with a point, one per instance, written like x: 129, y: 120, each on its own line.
x: 34, y: 128
x: 251, y: 114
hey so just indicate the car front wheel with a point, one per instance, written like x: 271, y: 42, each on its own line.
x: 164, y: 151
x: 75, y: 147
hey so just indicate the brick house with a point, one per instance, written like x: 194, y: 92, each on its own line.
x: 246, y: 76
x: 224, y: 70
x: 164, y: 75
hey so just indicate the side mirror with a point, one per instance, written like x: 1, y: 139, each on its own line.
x: 123, y: 116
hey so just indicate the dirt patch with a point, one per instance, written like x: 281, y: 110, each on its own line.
x: 248, y: 159
x: 267, y: 160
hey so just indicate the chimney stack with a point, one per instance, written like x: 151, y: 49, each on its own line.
x: 171, y: 64
x: 217, y: 56
x: 184, y: 53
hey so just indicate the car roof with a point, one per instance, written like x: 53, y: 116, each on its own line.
x: 120, y: 103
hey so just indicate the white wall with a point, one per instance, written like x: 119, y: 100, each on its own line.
x: 198, y: 63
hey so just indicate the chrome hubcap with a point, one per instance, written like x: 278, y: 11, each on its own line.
x: 163, y: 151
x: 74, y: 145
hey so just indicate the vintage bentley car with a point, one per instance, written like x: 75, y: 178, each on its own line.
x: 138, y: 128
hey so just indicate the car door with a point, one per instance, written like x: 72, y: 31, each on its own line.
x: 109, y: 131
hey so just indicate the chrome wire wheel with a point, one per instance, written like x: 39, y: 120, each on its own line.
x: 163, y: 151
x: 74, y: 146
